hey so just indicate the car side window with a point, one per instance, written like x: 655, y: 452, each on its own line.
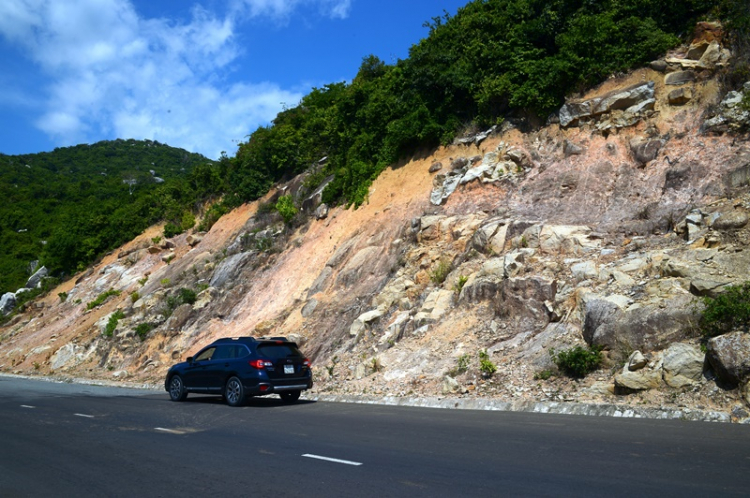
x: 223, y: 353
x: 206, y: 355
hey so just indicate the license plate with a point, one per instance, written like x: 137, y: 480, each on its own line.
x: 288, y: 369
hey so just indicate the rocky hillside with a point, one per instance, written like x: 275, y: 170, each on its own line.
x: 603, y: 228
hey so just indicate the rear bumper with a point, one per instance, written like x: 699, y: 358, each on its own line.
x: 264, y: 388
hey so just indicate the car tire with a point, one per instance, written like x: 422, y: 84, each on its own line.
x: 234, y: 392
x: 177, y: 390
x: 290, y: 396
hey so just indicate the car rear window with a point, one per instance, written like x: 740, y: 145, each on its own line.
x: 276, y: 351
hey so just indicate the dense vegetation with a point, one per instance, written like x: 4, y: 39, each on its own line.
x: 68, y: 206
x: 494, y: 60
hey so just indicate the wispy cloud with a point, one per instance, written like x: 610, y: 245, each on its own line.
x: 113, y: 73
x: 280, y: 10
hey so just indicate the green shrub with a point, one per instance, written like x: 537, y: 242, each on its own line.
x: 134, y: 296
x: 462, y: 365
x: 440, y: 272
x: 101, y: 298
x: 543, y: 375
x: 112, y: 323
x: 285, y: 207
x: 578, y: 361
x: 171, y: 229
x: 143, y: 329
x: 727, y: 312
x: 187, y: 296
x: 485, y: 364
x: 63, y: 296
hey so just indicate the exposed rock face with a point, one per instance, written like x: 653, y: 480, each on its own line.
x: 229, y: 269
x: 729, y: 356
x: 617, y: 99
x: 733, y: 114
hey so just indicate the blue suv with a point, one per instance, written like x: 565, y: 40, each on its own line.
x: 241, y: 367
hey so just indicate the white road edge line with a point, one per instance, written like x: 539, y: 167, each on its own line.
x: 334, y: 460
x: 171, y: 431
x: 27, y: 406
x: 83, y: 415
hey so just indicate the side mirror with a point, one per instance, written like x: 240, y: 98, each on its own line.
x: 189, y: 359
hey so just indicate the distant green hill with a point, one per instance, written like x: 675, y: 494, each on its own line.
x: 68, y: 206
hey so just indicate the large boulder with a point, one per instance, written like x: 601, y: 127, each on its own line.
x: 638, y: 380
x: 729, y: 356
x: 649, y: 327
x: 36, y: 279
x: 683, y: 365
x: 7, y: 303
x: 360, y: 324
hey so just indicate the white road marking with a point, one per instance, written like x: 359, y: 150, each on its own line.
x: 83, y: 415
x: 328, y: 459
x: 171, y: 431
x: 27, y: 406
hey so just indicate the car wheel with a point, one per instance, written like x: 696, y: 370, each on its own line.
x: 234, y: 393
x: 290, y: 397
x: 177, y: 390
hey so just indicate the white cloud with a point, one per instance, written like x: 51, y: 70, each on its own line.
x: 115, y: 74
x: 282, y: 9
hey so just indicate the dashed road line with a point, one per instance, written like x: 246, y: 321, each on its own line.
x: 27, y: 406
x: 83, y: 415
x: 170, y: 431
x: 334, y: 460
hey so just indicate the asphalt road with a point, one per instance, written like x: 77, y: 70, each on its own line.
x: 74, y: 440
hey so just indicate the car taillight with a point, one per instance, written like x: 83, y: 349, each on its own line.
x: 306, y: 363
x: 260, y: 364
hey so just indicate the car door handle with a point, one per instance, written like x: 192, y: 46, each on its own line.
x: 226, y: 364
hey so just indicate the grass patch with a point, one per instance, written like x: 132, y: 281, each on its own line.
x: 101, y: 298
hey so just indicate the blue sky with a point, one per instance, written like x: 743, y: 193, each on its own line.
x: 201, y: 75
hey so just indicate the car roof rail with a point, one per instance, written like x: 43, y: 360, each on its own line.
x: 222, y: 340
x: 276, y: 338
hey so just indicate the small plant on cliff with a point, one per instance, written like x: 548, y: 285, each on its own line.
x: 543, y: 374
x: 578, y: 361
x: 440, y: 272
x: 143, y: 329
x: 63, y: 296
x: 376, y: 365
x: 462, y: 365
x: 485, y: 364
x: 112, y: 323
x: 726, y: 312
x: 460, y: 283
x: 187, y: 296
